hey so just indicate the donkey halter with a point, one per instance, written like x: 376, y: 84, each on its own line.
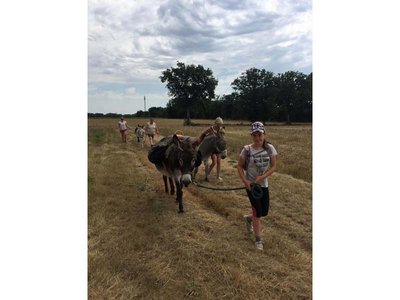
x: 180, y: 158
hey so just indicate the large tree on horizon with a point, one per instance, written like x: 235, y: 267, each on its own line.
x: 256, y: 91
x: 295, y: 89
x: 189, y: 86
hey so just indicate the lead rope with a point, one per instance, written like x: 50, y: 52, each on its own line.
x: 256, y: 190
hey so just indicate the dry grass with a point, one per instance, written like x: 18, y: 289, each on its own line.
x: 141, y: 248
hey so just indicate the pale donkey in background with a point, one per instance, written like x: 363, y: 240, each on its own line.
x: 139, y: 132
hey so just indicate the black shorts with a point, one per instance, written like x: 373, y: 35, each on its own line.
x: 260, y: 206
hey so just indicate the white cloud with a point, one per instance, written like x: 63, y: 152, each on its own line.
x: 132, y: 42
x: 130, y: 91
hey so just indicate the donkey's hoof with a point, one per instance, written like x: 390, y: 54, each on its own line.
x: 172, y: 192
x: 181, y: 211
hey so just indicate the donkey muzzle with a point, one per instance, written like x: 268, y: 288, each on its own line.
x: 186, y: 179
x: 224, y: 154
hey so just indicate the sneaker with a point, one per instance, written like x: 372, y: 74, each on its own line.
x: 249, y: 223
x: 219, y: 178
x: 260, y: 245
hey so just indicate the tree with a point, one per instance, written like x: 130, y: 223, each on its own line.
x: 190, y: 86
x: 256, y: 91
x: 305, y: 109
x: 294, y: 92
x: 157, y: 112
x: 142, y: 114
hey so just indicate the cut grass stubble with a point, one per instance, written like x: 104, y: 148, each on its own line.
x: 141, y: 248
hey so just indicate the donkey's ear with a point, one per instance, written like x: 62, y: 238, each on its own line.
x: 177, y: 142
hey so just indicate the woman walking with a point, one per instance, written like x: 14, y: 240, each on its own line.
x: 151, y: 130
x: 123, y: 127
x: 256, y: 163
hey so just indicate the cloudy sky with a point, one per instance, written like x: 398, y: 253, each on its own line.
x: 131, y: 42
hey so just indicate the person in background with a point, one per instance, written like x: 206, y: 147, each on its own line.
x: 151, y: 130
x: 257, y: 162
x: 216, y: 158
x: 123, y: 127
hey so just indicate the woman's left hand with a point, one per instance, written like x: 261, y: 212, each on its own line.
x: 259, y: 179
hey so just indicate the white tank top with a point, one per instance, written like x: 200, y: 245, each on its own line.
x: 122, y: 125
x: 151, y: 128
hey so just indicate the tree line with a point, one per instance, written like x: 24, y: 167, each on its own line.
x: 257, y: 95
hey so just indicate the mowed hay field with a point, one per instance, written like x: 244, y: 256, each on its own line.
x: 139, y: 247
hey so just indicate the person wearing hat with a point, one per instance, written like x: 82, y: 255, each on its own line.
x: 215, y: 158
x: 257, y: 162
x: 123, y: 127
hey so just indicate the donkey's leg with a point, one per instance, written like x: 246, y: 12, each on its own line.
x: 179, y: 195
x: 165, y: 183
x: 172, y: 186
x: 207, y: 169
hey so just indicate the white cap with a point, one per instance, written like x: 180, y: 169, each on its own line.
x: 219, y: 121
x: 257, y: 127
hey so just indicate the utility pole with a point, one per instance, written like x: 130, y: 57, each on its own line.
x: 144, y: 103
